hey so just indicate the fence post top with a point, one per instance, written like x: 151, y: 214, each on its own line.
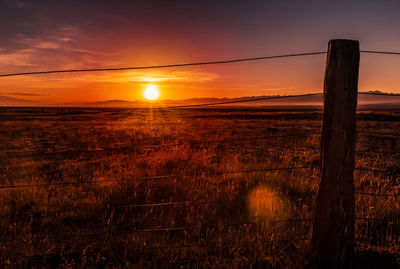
x: 343, y: 41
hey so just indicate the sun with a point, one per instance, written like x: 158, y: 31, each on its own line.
x: 151, y: 92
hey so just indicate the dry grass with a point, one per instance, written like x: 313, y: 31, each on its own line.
x: 258, y: 219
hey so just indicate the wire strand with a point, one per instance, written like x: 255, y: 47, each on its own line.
x: 378, y: 133
x: 158, y: 229
x: 85, y: 207
x: 379, y: 93
x: 378, y: 194
x: 188, y: 143
x: 184, y: 64
x: 152, y: 177
x: 242, y: 100
x: 163, y: 66
x: 380, y: 52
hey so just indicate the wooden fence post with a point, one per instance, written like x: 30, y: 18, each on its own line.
x: 332, y: 242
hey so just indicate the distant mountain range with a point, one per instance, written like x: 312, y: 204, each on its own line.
x: 11, y: 101
x: 372, y: 98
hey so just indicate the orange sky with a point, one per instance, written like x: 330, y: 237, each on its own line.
x: 67, y: 35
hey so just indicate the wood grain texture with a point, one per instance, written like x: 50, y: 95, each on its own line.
x: 332, y: 242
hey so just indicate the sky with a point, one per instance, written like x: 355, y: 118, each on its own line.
x: 53, y: 35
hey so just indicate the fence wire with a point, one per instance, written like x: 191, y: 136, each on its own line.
x: 158, y: 177
x: 118, y: 230
x: 187, y: 143
x: 185, y: 64
x: 154, y: 205
x: 164, y: 66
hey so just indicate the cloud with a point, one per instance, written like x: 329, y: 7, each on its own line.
x: 23, y: 94
x: 64, y: 39
x: 56, y: 50
x: 157, y: 76
x: 58, y: 39
x: 23, y: 57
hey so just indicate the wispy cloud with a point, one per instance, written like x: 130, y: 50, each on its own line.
x: 23, y: 57
x: 59, y: 39
x: 56, y: 50
x: 23, y: 94
x: 145, y: 76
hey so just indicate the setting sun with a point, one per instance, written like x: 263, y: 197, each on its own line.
x: 151, y: 92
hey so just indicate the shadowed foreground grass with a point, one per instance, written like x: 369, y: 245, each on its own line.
x: 123, y: 216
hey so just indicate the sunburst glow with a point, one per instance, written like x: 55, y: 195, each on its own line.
x: 151, y: 92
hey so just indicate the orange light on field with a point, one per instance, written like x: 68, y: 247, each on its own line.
x: 151, y: 92
x: 266, y: 204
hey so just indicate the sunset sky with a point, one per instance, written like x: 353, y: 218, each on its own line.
x: 45, y: 35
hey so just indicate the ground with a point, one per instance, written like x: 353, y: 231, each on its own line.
x: 219, y: 187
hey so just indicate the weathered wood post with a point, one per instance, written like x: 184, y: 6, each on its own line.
x: 332, y: 242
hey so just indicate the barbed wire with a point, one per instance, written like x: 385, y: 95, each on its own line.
x: 242, y: 100
x: 380, y: 52
x: 265, y: 98
x: 157, y: 229
x: 158, y: 177
x: 187, y: 203
x: 378, y: 194
x: 388, y: 170
x: 85, y: 160
x: 378, y: 133
x: 379, y: 93
x: 130, y: 230
x: 183, y: 64
x: 163, y: 66
x: 124, y: 206
x: 152, y: 205
x: 188, y: 143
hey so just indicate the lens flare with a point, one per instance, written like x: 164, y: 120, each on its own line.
x: 264, y: 204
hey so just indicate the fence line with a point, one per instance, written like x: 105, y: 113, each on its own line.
x: 264, y: 98
x: 269, y: 150
x: 159, y: 177
x: 378, y: 133
x: 242, y: 100
x: 164, y: 66
x: 184, y: 64
x: 379, y: 194
x: 124, y: 206
x: 167, y: 229
x: 380, y: 52
x: 188, y: 143
x: 388, y: 171
x: 155, y: 205
x: 379, y: 93
x: 187, y: 203
x: 160, y: 229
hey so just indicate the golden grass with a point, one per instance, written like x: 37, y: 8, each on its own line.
x: 233, y: 220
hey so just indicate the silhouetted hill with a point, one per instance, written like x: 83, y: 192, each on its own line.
x: 373, y: 98
x: 11, y: 101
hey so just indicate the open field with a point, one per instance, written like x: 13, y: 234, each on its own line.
x: 210, y: 187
